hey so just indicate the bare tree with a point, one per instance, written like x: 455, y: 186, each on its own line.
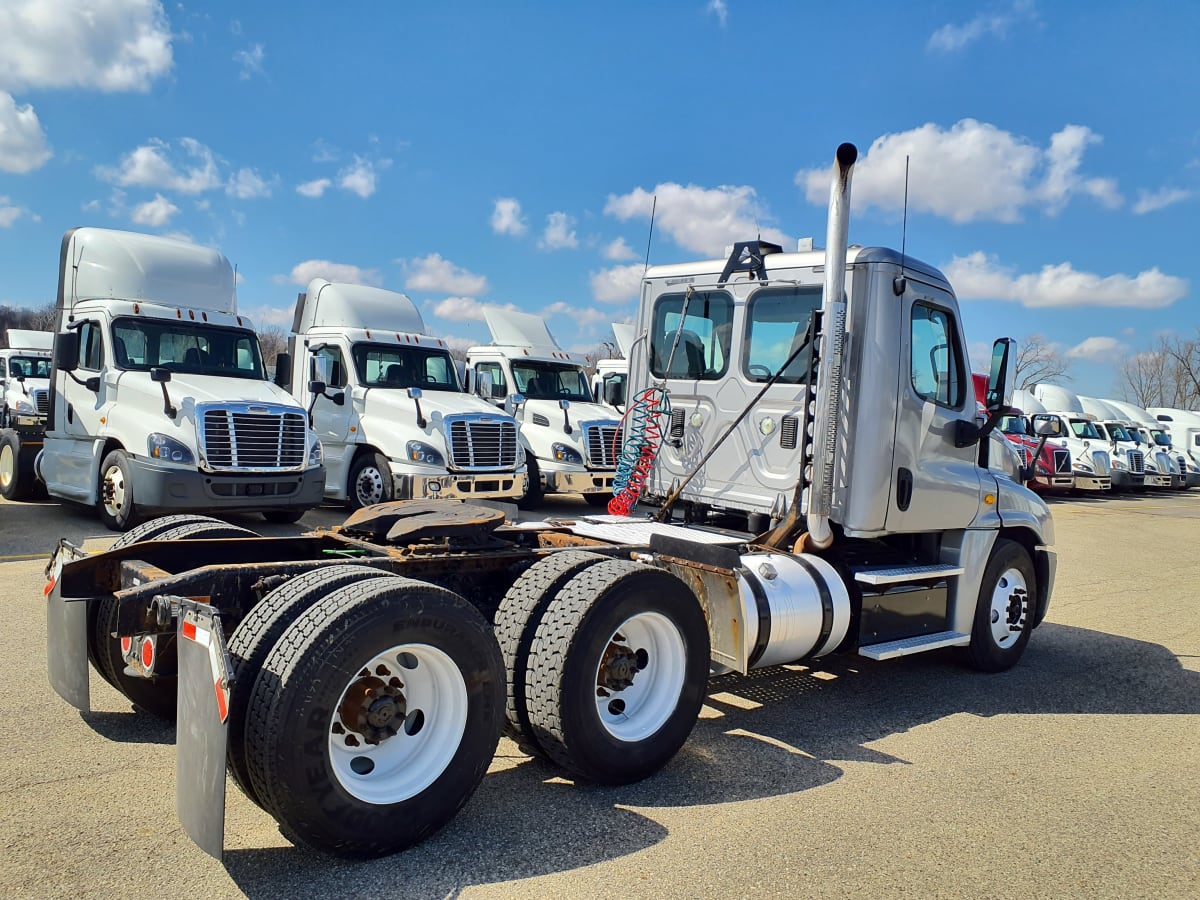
x: 1038, y: 362
x: 273, y: 340
x: 1143, y: 378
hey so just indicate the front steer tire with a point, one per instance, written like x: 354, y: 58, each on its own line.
x: 1005, y: 609
x: 437, y: 655
x: 617, y: 672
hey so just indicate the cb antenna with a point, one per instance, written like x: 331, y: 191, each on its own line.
x: 899, y: 284
x: 650, y: 237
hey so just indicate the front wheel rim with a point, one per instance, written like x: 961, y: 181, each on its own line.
x: 1009, y: 608
x: 398, y: 724
x: 113, y: 491
x: 640, y: 676
x: 8, y: 468
x: 368, y: 487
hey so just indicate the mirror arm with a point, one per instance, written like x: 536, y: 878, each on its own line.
x: 168, y: 406
x: 421, y: 421
x: 566, y: 421
x: 1027, y: 472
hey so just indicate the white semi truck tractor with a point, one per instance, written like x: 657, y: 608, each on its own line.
x: 159, y: 398
x: 24, y: 401
x: 1123, y: 433
x: 1159, y: 444
x: 388, y: 406
x: 1183, y: 429
x: 570, y: 441
x: 350, y: 679
x: 1126, y: 459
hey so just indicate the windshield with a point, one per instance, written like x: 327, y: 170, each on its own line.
x: 1083, y: 428
x: 550, y: 381
x: 389, y: 366
x: 140, y: 345
x: 1117, y: 433
x: 1161, y: 438
x: 28, y: 366
x: 1013, y: 425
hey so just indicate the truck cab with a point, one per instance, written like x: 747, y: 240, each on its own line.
x: 388, y: 406
x: 1183, y: 430
x: 570, y: 441
x: 25, y: 376
x: 159, y: 397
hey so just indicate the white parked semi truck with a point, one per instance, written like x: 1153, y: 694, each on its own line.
x: 570, y: 441
x: 160, y: 400
x: 1159, y: 446
x: 1183, y: 430
x: 353, y: 685
x: 1122, y: 432
x: 24, y: 401
x: 391, y: 413
x: 1085, y: 438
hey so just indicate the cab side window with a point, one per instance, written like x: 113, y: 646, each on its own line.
x: 690, y: 335
x: 91, y: 347
x: 499, y: 385
x: 938, y: 373
x: 335, y: 366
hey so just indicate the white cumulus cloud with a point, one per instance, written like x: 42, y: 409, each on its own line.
x: 506, y: 217
x: 9, y: 213
x: 619, y: 251
x: 343, y: 273
x: 951, y: 38
x: 1099, y: 349
x: 155, y: 213
x: 618, y: 284
x: 1152, y: 201
x: 251, y: 61
x: 110, y: 45
x: 703, y: 220
x: 433, y: 274
x: 588, y: 315
x: 463, y: 309
x: 718, y: 9
x: 23, y: 146
x: 150, y: 166
x: 979, y: 276
x: 968, y: 172
x: 559, y: 233
x: 247, y: 184
x: 361, y: 176
x: 314, y: 188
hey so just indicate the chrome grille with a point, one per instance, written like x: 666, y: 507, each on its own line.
x: 479, y: 444
x: 1100, y: 462
x: 41, y: 401
x: 1137, y: 462
x: 602, y: 454
x: 253, y: 439
x: 1062, y: 462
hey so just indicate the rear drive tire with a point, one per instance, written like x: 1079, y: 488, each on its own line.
x: 370, y: 481
x: 258, y: 633
x: 532, y: 498
x: 517, y: 621
x: 17, y: 481
x: 156, y: 695
x: 114, y: 498
x: 618, y: 671
x: 408, y: 665
x: 1004, y: 611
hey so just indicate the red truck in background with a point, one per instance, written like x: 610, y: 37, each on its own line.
x: 1053, y: 473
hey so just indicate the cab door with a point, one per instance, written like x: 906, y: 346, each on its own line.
x: 936, y: 486
x: 331, y: 422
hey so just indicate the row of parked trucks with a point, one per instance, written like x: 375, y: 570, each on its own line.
x: 156, y: 398
x: 823, y: 484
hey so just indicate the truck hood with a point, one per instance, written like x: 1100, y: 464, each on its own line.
x: 14, y: 388
x: 192, y: 389
x: 395, y: 404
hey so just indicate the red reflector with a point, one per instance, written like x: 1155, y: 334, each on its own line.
x: 147, y: 654
x: 189, y: 630
x: 49, y: 587
x: 222, y: 705
x: 126, y: 643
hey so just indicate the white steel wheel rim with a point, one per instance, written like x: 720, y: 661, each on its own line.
x: 637, y: 711
x: 113, y: 491
x: 403, y: 765
x: 368, y: 486
x: 8, y: 465
x: 1009, y: 608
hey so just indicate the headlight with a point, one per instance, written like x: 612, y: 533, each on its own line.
x: 1118, y: 464
x: 316, y: 454
x: 1084, y: 467
x: 167, y: 449
x: 422, y: 453
x: 566, y: 454
x: 24, y: 406
x: 520, y: 454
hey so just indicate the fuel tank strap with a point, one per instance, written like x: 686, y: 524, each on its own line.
x: 763, y: 606
x: 826, y: 602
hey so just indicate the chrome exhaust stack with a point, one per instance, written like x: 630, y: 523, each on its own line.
x: 833, y: 345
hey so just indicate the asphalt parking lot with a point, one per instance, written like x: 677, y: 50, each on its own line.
x: 1072, y: 775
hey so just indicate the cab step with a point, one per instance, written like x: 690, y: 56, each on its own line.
x: 894, y: 574
x: 918, y: 644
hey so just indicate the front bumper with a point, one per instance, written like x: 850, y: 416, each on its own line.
x: 166, y: 488
x: 1192, y: 479
x: 579, y: 482
x: 1122, y: 479
x: 496, y: 486
x: 1155, y: 480
x: 1093, y: 482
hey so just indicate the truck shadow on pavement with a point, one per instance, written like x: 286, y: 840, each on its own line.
x: 779, y: 731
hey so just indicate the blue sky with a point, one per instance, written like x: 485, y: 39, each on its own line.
x: 474, y: 153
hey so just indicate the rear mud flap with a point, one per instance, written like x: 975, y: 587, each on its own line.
x: 66, y: 633
x: 202, y: 730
